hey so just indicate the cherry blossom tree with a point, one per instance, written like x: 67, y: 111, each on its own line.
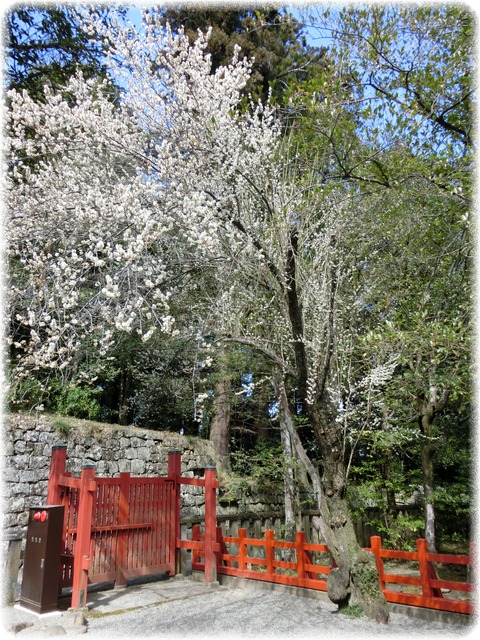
x: 91, y: 224
x: 115, y: 206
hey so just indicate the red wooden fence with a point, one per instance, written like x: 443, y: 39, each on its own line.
x: 427, y: 583
x: 311, y: 564
x: 208, y: 546
x: 117, y: 528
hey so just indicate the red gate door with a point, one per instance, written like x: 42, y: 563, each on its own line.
x: 132, y: 527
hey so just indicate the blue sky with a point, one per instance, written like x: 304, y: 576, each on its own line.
x: 312, y: 35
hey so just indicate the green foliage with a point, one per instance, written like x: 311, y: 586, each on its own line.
x: 62, y: 427
x: 27, y: 394
x: 402, y: 531
x: 45, y: 46
x: 352, y: 611
x: 252, y: 469
x: 264, y: 464
x: 232, y: 487
x: 80, y: 402
x: 160, y: 394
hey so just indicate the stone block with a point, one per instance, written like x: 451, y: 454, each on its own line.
x: 138, y: 467
x: 143, y: 453
x: 124, y: 466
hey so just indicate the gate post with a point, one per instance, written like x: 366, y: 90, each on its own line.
x: 174, y: 473
x: 58, y: 463
x: 210, y: 524
x: 81, y: 560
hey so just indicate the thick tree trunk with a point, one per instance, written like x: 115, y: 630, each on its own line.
x: 355, y: 578
x: 220, y: 426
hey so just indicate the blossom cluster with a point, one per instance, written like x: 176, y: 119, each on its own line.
x: 108, y: 198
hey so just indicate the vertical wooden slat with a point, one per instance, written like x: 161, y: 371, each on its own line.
x: 135, y: 533
x: 171, y: 524
x: 116, y: 519
x: 160, y: 510
x: 221, y: 544
x: 422, y: 550
x: 108, y: 537
x: 299, y: 546
x: 210, y: 524
x: 154, y: 518
x: 123, y: 514
x: 242, y: 548
x: 196, y: 537
x: 145, y: 533
x: 133, y: 498
x: 174, y: 474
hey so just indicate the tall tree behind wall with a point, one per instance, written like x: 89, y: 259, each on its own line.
x: 271, y: 38
x: 45, y: 46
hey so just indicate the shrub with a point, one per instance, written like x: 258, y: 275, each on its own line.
x: 80, y: 402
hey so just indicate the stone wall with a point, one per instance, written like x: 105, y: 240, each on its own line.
x: 111, y: 449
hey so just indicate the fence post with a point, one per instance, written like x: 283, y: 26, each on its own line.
x: 221, y: 546
x: 300, y: 541
x: 174, y: 473
x: 81, y: 560
x: 422, y: 550
x: 210, y: 524
x: 58, y: 463
x: 242, y: 549
x: 269, y: 551
x: 123, y: 514
x: 376, y: 546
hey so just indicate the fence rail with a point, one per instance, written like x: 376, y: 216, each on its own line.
x: 301, y: 564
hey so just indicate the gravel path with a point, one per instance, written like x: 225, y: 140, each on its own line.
x: 242, y: 613
x: 189, y: 609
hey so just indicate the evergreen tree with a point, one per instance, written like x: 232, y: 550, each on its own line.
x: 45, y: 45
x: 270, y: 37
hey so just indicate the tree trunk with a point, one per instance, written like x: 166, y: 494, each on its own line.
x: 220, y: 426
x: 428, y: 408
x: 124, y: 410
x: 355, y: 578
x: 427, y: 454
x: 289, y: 475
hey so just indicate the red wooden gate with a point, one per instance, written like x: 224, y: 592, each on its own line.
x: 114, y: 528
